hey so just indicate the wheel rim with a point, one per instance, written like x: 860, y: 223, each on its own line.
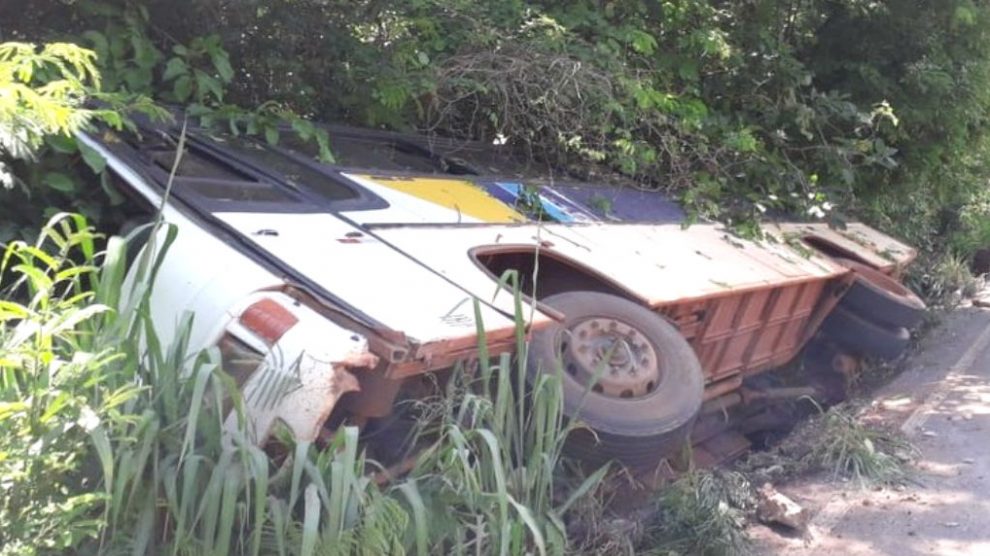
x: 628, y: 364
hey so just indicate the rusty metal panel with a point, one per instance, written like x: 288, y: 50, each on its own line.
x: 305, y: 365
x: 744, y: 306
x: 752, y: 331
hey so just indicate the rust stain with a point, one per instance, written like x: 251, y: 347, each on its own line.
x: 339, y: 382
x: 751, y: 331
x: 357, y: 360
x: 440, y: 356
x: 342, y: 381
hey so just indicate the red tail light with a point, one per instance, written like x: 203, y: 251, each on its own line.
x: 268, y: 319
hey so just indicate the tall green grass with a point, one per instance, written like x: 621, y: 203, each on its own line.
x: 59, y: 382
x: 111, y: 442
x: 492, y: 481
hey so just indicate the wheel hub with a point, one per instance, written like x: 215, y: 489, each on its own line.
x: 622, y: 358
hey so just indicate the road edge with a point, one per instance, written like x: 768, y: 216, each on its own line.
x: 825, y: 521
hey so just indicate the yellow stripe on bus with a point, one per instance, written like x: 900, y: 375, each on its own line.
x: 459, y: 195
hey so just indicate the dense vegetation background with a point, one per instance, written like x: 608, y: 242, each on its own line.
x: 745, y: 110
x: 809, y: 106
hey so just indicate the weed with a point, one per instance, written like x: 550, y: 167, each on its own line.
x: 611, y: 520
x: 943, y: 280
x: 847, y: 447
x: 974, y: 225
x: 839, y: 442
x: 701, y: 514
x: 490, y: 477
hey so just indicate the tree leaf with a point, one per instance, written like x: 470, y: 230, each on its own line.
x: 145, y: 53
x: 138, y: 79
x: 60, y: 182
x: 271, y: 135
x: 206, y: 82
x: 99, y: 42
x: 222, y: 64
x: 93, y: 159
x: 174, y: 68
x: 182, y: 88
x: 65, y: 144
x: 116, y: 198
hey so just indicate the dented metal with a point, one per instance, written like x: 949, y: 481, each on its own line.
x: 355, y: 296
x: 307, y: 363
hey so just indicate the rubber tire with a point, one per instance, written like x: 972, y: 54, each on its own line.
x: 863, y: 337
x: 639, y: 432
x: 880, y: 298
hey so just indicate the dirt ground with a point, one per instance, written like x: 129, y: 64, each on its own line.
x: 941, y: 401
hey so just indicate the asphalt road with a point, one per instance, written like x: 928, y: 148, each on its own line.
x: 942, y: 403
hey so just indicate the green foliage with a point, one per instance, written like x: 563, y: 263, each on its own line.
x: 113, y: 442
x: 48, y: 96
x: 44, y: 99
x: 818, y: 109
x: 944, y: 279
x: 974, y: 225
x: 742, y: 108
x: 189, y: 82
x: 41, y: 94
x: 197, y: 73
x: 107, y: 448
x: 702, y: 513
x: 842, y: 442
x: 491, y: 479
x: 59, y: 383
x: 847, y: 447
